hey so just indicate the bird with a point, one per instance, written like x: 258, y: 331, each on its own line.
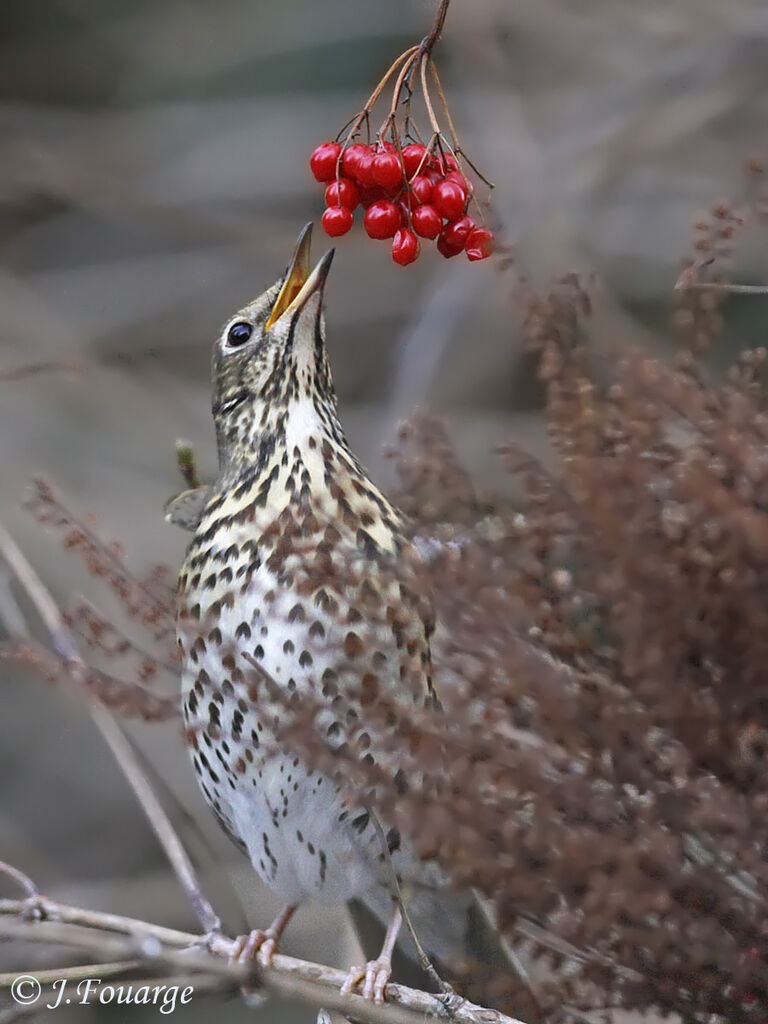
x: 296, y: 566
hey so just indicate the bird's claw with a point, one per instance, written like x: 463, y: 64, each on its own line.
x: 268, y: 950
x: 257, y: 945
x: 374, y: 977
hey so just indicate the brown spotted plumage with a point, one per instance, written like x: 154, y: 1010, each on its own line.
x: 293, y: 567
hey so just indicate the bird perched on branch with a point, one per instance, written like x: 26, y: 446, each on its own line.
x: 298, y: 569
x: 290, y: 564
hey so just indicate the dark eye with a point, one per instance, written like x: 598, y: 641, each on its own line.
x: 239, y: 333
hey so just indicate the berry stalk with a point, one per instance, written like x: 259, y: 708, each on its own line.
x: 408, y: 189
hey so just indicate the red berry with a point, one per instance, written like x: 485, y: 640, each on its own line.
x: 323, y: 161
x: 414, y: 159
x: 405, y: 247
x: 459, y: 178
x: 342, y: 193
x: 447, y: 248
x: 449, y: 199
x: 387, y: 170
x: 371, y: 195
x: 480, y: 244
x: 337, y: 220
x: 433, y: 175
x: 457, y: 231
x: 422, y: 189
x: 364, y: 170
x: 351, y: 159
x: 427, y: 222
x: 382, y: 219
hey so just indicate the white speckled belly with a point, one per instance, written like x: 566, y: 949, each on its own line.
x: 303, y: 838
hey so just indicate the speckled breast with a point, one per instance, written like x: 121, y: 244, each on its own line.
x: 311, y: 608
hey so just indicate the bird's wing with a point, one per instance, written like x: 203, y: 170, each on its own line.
x: 186, y: 509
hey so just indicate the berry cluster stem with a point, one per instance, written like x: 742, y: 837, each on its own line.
x: 354, y: 124
x: 425, y: 60
x: 393, y: 177
x: 454, y: 138
x: 410, y: 62
x: 437, y: 28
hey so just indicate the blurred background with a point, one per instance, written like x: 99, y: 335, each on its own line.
x: 153, y: 179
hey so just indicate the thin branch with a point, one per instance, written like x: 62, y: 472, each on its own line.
x: 64, y: 645
x: 397, y: 892
x: 111, y: 924
x: 488, y: 911
x: 87, y: 622
x: 22, y: 880
x: 187, y: 464
x: 37, y: 592
x: 682, y: 285
x: 314, y: 984
x: 129, y: 700
x: 44, y: 498
x: 457, y: 150
x: 370, y: 103
x: 689, y: 280
x: 52, y: 975
x: 427, y: 98
x: 146, y: 948
x: 158, y: 819
x: 437, y: 28
x: 14, y: 373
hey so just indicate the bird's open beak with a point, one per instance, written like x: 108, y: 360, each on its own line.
x: 299, y: 283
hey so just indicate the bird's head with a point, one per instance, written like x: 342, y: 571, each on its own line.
x: 270, y: 357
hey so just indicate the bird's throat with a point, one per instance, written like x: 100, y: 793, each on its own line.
x: 278, y: 457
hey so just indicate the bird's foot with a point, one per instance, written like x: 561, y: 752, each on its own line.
x: 257, y: 945
x: 262, y: 946
x: 374, y: 977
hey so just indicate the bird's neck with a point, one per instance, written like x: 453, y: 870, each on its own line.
x: 278, y: 453
x: 296, y: 457
x: 265, y: 433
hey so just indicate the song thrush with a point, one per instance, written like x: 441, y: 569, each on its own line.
x: 263, y: 582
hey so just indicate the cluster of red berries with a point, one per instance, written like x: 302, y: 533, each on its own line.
x: 406, y: 195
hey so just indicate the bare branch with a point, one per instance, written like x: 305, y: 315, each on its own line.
x: 721, y: 286
x: 65, y: 647
x: 311, y: 983
x: 437, y: 28
x: 22, y: 880
x: 158, y: 819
